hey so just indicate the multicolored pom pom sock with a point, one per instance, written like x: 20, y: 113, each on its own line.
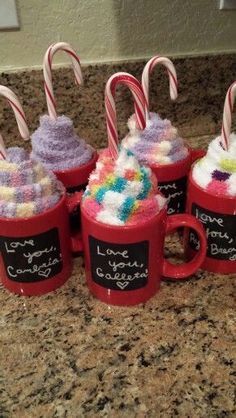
x: 122, y: 192
x: 216, y: 172
x: 158, y: 143
x: 26, y: 188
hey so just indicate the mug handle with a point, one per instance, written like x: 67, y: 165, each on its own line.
x: 196, y: 154
x: 76, y: 240
x: 186, y: 269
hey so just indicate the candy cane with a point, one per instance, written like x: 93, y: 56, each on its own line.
x: 173, y: 83
x: 227, y: 115
x: 47, y: 73
x: 19, y: 115
x: 2, y: 149
x: 139, y: 106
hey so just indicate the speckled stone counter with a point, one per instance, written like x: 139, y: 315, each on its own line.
x: 68, y: 355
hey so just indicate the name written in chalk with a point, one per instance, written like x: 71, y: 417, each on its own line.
x: 220, y: 232
x: 118, y: 266
x: 29, y: 260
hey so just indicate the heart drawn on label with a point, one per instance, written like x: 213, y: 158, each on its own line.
x: 45, y: 273
x: 122, y: 285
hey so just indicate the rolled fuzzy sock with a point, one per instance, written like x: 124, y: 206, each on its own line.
x: 56, y: 145
x: 158, y: 143
x: 122, y: 192
x: 26, y: 187
x: 216, y: 172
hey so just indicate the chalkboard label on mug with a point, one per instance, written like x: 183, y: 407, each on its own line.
x: 220, y: 231
x: 32, y: 258
x: 119, y: 266
x: 175, y: 192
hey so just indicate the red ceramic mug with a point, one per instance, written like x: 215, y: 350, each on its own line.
x: 75, y: 180
x: 35, y: 252
x: 124, y: 265
x: 218, y: 216
x: 172, y: 180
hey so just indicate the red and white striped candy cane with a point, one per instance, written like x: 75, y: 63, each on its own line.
x: 173, y: 83
x: 227, y: 115
x: 139, y: 106
x: 3, y: 153
x: 47, y: 72
x: 19, y: 115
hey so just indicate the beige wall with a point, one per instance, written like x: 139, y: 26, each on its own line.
x: 107, y: 30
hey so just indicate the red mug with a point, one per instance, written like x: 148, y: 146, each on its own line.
x: 35, y: 252
x: 172, y: 180
x: 218, y: 216
x: 124, y: 265
x: 75, y: 180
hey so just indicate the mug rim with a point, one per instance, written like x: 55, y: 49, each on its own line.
x: 38, y: 215
x: 227, y: 198
x: 75, y: 169
x: 160, y: 214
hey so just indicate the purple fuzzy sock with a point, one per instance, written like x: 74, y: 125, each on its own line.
x: 56, y: 145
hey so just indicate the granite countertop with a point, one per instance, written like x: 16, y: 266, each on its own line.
x: 68, y: 355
